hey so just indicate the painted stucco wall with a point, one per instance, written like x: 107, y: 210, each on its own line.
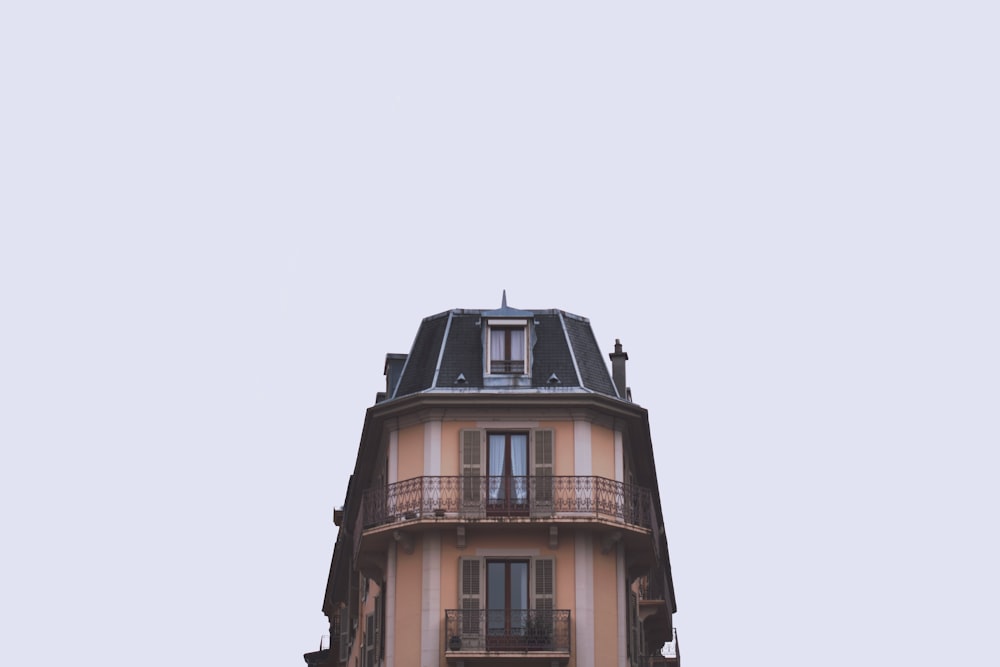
x: 532, y: 540
x: 407, y: 608
x: 605, y: 606
x: 411, y: 452
x: 563, y: 454
x: 602, y: 447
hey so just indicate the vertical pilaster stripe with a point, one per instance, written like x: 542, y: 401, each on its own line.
x: 390, y: 606
x: 393, y: 476
x: 583, y: 458
x: 432, y: 448
x: 430, y: 601
x: 619, y: 457
x: 584, y: 612
x: 622, y: 597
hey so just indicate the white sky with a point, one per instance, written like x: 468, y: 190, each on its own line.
x: 217, y: 217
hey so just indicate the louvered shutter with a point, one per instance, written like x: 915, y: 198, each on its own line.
x: 378, y: 626
x: 543, y: 465
x: 544, y: 584
x: 543, y: 587
x: 470, y: 571
x: 344, y: 636
x: 471, y: 467
x: 633, y: 627
x: 369, y: 659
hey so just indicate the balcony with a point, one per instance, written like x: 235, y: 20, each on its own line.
x: 669, y: 655
x: 461, y: 498
x: 507, y: 366
x: 506, y: 633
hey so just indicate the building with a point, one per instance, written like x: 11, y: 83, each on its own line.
x: 504, y: 507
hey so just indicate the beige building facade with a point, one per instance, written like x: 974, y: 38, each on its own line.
x: 504, y: 507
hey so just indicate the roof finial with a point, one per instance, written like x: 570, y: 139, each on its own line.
x: 503, y: 302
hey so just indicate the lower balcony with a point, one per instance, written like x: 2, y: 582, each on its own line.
x: 487, y: 634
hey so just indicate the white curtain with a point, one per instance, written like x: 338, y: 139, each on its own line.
x: 517, y: 345
x: 519, y: 465
x: 497, y: 344
x: 497, y: 446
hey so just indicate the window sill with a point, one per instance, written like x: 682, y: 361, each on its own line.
x: 507, y: 381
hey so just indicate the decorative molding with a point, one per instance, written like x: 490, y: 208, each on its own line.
x: 509, y: 553
x: 609, y: 541
x: 513, y: 423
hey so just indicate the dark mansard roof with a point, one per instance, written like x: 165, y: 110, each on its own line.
x: 449, y: 348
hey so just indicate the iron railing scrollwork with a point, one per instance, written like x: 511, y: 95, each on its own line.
x: 485, y: 497
x: 507, y: 366
x: 486, y: 630
x: 651, y: 587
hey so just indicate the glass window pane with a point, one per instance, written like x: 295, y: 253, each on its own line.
x: 497, y: 454
x: 519, y: 454
x: 498, y: 344
x: 517, y: 344
x: 518, y: 585
x: 496, y: 597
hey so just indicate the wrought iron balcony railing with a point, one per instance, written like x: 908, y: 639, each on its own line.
x: 507, y: 366
x: 669, y: 655
x: 499, y: 497
x: 504, y: 630
x: 651, y: 588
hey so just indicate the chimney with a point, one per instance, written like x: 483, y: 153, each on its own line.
x: 618, y: 359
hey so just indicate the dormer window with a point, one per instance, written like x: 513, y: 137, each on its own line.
x: 507, y: 349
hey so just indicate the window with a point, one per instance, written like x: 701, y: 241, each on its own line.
x: 507, y: 473
x: 506, y: 347
x: 507, y: 462
x: 506, y: 598
x: 344, y: 640
x: 369, y: 646
x: 507, y: 602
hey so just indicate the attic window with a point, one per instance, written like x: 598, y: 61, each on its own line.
x: 506, y: 347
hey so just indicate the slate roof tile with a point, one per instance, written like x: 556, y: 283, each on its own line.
x: 553, y: 351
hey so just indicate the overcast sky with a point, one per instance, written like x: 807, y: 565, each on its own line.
x: 217, y: 217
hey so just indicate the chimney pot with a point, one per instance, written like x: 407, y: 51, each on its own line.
x: 618, y: 359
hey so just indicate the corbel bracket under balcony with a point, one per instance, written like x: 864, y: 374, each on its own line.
x: 404, y: 540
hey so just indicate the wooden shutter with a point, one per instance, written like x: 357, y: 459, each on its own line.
x: 634, y: 628
x: 544, y: 582
x: 344, y: 639
x: 543, y: 588
x: 369, y: 660
x: 471, y: 467
x: 543, y: 460
x: 378, y: 624
x: 471, y: 588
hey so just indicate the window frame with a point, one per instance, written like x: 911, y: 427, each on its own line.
x: 514, y: 494
x: 473, y: 592
x: 507, y: 326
